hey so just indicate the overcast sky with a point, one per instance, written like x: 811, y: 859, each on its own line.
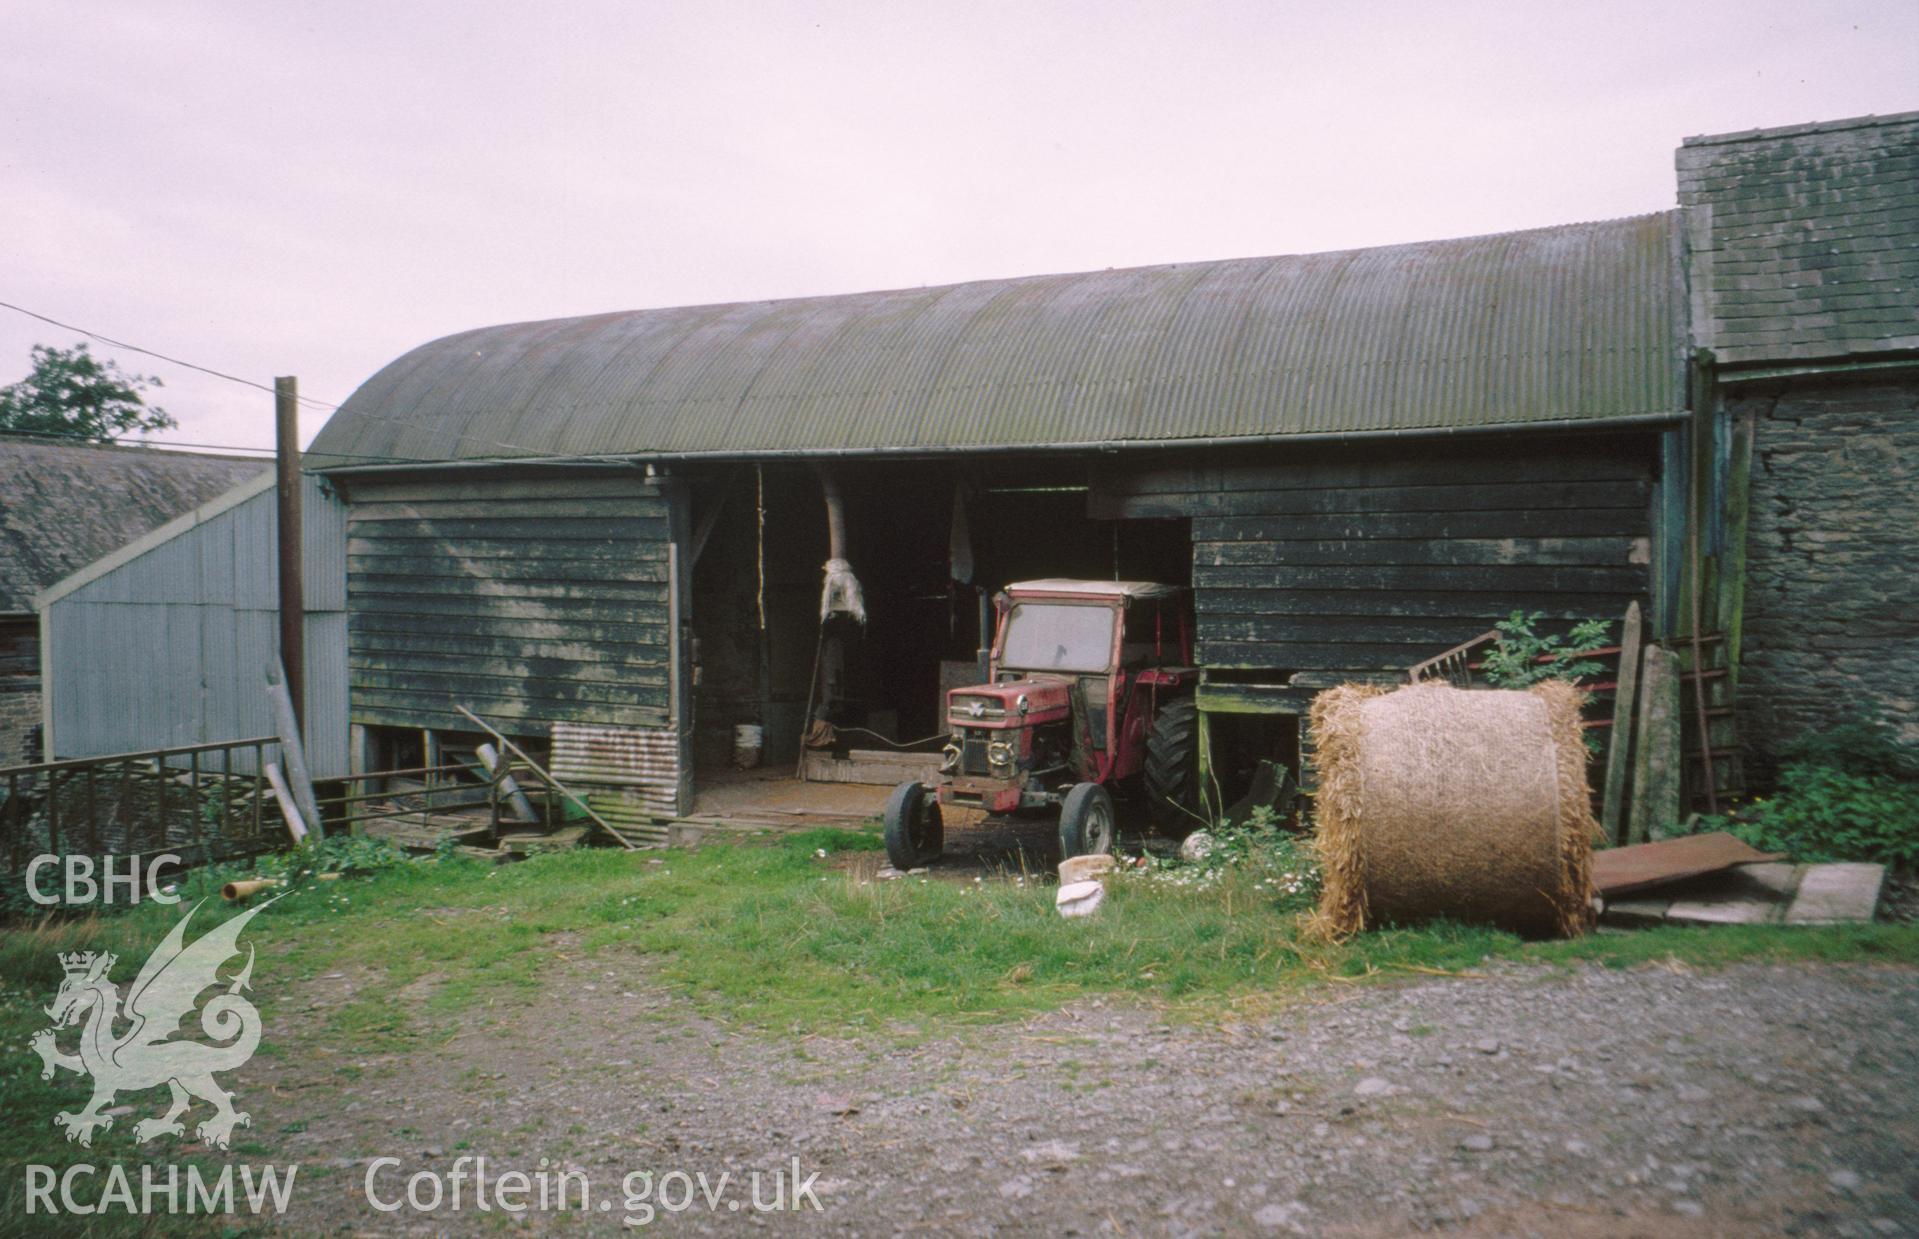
x: 313, y: 189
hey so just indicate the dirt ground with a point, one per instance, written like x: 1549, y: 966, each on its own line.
x: 1757, y: 1100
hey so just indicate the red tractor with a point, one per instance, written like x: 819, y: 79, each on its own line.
x: 1090, y: 684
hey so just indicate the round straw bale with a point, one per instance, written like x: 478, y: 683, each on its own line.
x: 1442, y: 802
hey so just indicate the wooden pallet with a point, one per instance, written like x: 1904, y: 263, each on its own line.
x: 877, y: 767
x: 411, y: 833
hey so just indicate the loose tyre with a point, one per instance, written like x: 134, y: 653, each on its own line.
x: 914, y: 834
x: 1086, y: 821
x: 1172, y: 767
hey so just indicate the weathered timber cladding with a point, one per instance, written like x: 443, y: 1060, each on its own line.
x: 1322, y: 567
x: 529, y: 600
x: 1832, y: 585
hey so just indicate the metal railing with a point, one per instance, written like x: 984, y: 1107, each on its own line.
x: 201, y: 801
x: 433, y: 797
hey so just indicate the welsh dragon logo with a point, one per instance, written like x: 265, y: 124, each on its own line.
x: 145, y: 1055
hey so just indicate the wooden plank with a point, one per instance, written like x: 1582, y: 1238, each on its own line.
x: 1656, y: 758
x: 556, y: 691
x: 293, y: 752
x: 1526, y: 523
x: 634, y: 656
x: 531, y: 530
x: 505, y: 609
x: 402, y: 709
x: 1599, y: 552
x: 545, y: 776
x: 391, y: 664
x: 618, y: 482
x: 433, y: 626
x: 1374, y: 471
x: 1254, y: 699
x: 870, y: 767
x: 1269, y: 599
x: 589, y: 573
x: 567, y: 550
x: 283, y: 796
x: 1732, y: 587
x: 1619, y: 747
x: 1442, y: 633
x: 1504, y: 578
x: 1304, y: 655
x: 417, y: 586
x: 1623, y: 495
x: 424, y: 509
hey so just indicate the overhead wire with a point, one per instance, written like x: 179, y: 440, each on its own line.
x: 536, y: 453
x: 147, y: 352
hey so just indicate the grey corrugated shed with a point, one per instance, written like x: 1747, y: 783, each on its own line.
x: 1805, y: 239
x: 1575, y: 323
x: 168, y: 641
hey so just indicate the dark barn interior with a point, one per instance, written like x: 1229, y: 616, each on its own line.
x: 1024, y: 518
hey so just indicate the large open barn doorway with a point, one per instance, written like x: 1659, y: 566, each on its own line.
x: 930, y: 542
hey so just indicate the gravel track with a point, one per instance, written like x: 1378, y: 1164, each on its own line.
x: 1659, y: 1101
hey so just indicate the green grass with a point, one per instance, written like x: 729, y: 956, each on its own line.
x: 772, y: 935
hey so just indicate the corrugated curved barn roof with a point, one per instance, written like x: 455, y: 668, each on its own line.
x: 1575, y: 323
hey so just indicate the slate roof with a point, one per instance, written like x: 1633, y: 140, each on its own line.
x: 63, y: 505
x: 1805, y: 240
x: 1572, y: 324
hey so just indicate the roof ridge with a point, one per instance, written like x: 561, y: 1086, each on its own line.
x: 1425, y: 243
x: 1868, y: 121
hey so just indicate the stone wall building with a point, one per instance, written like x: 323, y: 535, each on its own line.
x: 1804, y: 270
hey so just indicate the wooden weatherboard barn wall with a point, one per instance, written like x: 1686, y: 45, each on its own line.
x: 533, y: 600
x: 1311, y: 568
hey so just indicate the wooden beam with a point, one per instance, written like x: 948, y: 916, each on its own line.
x: 546, y: 776
x: 709, y: 522
x: 288, y: 810
x: 870, y: 766
x: 293, y: 754
x: 1656, y: 759
x: 1625, y: 707
x: 1732, y: 574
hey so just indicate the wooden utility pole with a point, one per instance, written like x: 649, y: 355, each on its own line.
x: 286, y: 409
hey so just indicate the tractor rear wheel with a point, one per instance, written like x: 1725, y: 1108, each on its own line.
x: 1086, y: 822
x: 915, y: 835
x: 1172, y: 767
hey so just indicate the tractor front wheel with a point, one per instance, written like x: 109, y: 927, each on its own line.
x: 915, y: 835
x: 1172, y: 768
x: 1086, y: 822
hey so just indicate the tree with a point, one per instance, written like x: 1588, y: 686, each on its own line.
x: 72, y: 394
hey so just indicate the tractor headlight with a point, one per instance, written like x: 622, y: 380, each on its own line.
x: 999, y: 755
x: 950, y: 755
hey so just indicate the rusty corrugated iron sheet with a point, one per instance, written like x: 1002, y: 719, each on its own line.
x: 630, y: 776
x: 1620, y: 871
x: 1574, y: 323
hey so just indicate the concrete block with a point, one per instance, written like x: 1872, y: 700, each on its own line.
x: 1724, y: 911
x: 1781, y: 877
x: 1635, y: 912
x: 1837, y: 894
